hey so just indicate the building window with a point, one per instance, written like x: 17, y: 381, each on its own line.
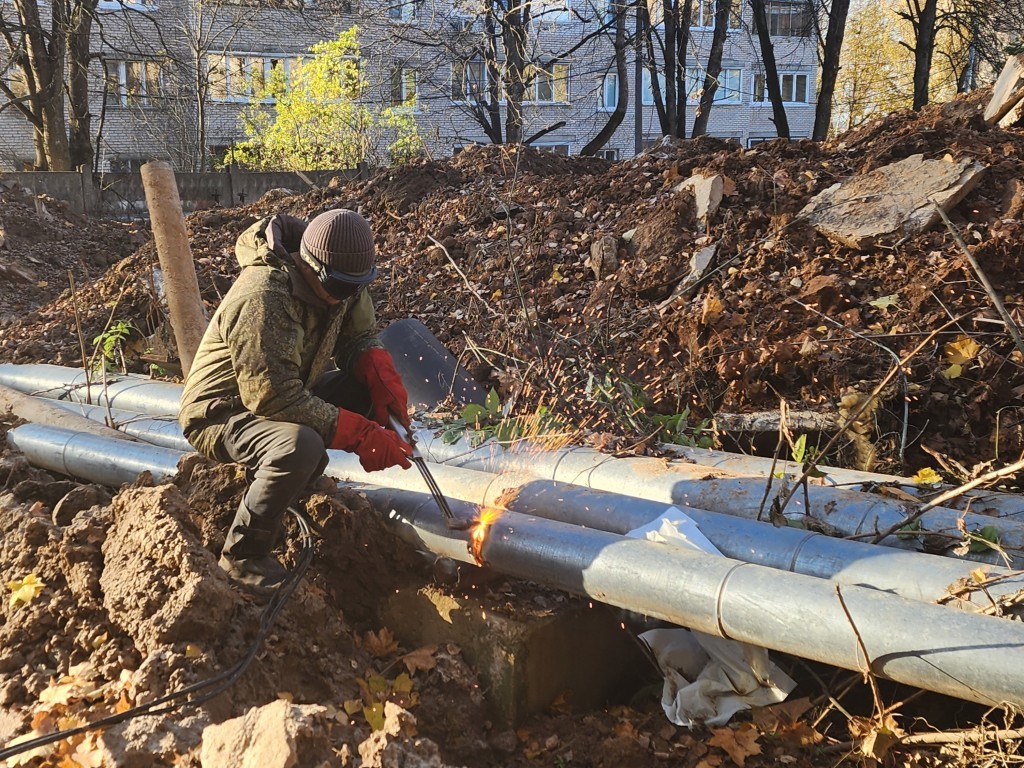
x: 548, y: 11
x: 607, y: 154
x: 402, y: 10
x: 469, y: 81
x: 789, y: 19
x: 134, y: 83
x: 792, y: 84
x: 729, y: 84
x: 244, y: 77
x: 559, y: 148
x: 703, y: 14
x: 647, y: 93
x: 547, y: 84
x: 135, y: 5
x: 403, y: 87
x: 608, y: 97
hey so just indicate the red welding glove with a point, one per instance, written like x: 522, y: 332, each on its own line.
x: 376, y: 370
x: 376, y: 447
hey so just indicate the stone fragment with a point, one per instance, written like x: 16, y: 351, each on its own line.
x: 707, y: 192
x: 1007, y: 91
x: 892, y: 202
x: 604, y: 256
x: 396, y: 745
x: 78, y: 499
x: 276, y: 735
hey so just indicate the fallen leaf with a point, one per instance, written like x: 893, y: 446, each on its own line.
x: 884, y: 302
x: 375, y: 716
x: 25, y: 590
x: 739, y: 743
x: 192, y: 651
x: 421, y: 658
x: 961, y: 351
x: 926, y: 476
x: 380, y: 644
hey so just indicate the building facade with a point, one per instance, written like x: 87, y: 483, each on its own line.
x: 169, y: 79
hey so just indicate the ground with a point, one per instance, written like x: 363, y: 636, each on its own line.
x: 494, y: 250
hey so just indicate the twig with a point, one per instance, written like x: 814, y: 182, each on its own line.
x: 942, y: 737
x: 811, y: 466
x: 465, y: 279
x: 868, y: 674
x: 81, y: 338
x: 995, y: 474
x: 1011, y: 326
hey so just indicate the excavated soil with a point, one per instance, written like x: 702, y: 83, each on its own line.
x: 557, y: 282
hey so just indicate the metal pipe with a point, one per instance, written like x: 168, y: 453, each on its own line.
x: 848, y: 513
x: 104, y: 460
x: 982, y: 501
x: 957, y: 654
x: 125, y: 391
x: 164, y: 431
x: 143, y: 395
x: 788, y: 549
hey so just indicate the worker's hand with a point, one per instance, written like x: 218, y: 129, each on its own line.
x: 376, y: 370
x: 284, y: 235
x: 376, y: 447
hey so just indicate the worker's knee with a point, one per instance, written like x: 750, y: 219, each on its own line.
x: 299, y: 449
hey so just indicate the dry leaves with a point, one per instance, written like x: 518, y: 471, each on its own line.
x: 739, y: 743
x: 421, y: 658
x: 380, y: 644
x: 25, y: 590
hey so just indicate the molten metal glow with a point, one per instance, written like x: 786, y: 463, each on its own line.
x: 483, y: 524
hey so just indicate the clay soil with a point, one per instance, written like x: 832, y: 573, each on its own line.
x: 492, y: 250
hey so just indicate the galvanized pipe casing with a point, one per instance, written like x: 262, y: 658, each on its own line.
x: 850, y: 513
x: 124, y: 391
x: 958, y: 654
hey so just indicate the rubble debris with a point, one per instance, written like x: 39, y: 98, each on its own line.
x: 892, y: 202
x: 1007, y: 92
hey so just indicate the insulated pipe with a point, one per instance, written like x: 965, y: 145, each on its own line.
x: 163, y: 431
x: 958, y: 654
x: 1002, y: 504
x: 125, y: 391
x: 104, y: 460
x: 143, y: 395
x: 49, y: 412
x: 913, y: 575
x: 849, y: 513
x: 184, y: 301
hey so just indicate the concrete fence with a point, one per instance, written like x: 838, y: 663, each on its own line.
x: 120, y: 195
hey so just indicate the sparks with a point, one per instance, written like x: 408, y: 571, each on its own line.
x: 483, y: 524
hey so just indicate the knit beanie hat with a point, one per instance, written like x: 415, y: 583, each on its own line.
x: 342, y: 240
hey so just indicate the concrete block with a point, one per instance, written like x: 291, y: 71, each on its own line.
x: 525, y: 658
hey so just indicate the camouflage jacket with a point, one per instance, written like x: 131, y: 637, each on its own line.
x: 258, y: 352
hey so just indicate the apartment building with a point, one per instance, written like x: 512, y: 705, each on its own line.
x: 170, y: 78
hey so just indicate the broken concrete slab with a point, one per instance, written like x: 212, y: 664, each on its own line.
x: 277, y: 735
x: 891, y: 202
x: 1015, y: 116
x: 1008, y: 90
x: 604, y: 256
x: 707, y: 192
x: 699, y: 264
x: 524, y: 662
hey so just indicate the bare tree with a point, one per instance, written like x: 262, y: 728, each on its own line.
x: 665, y: 38
x: 923, y: 17
x: 48, y: 44
x: 620, y: 44
x: 771, y: 69
x: 723, y: 9
x: 831, y: 51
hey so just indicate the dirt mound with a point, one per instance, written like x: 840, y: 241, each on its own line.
x: 41, y: 241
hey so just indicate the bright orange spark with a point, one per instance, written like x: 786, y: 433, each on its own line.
x: 483, y: 524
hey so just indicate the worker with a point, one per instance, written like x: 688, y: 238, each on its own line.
x: 255, y: 394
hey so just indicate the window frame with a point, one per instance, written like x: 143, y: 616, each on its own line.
x: 120, y: 96
x: 532, y: 94
x: 776, y: 10
x: 695, y: 84
x: 759, y: 88
x: 464, y: 95
x: 604, y: 104
x: 231, y: 94
x: 401, y: 74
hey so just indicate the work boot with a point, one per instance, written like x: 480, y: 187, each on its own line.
x: 246, y: 556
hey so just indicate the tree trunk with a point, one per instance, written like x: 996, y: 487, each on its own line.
x: 771, y: 69
x: 622, y: 97
x: 923, y: 51
x: 830, y: 67
x: 514, y: 30
x: 707, y: 97
x: 47, y: 64
x: 80, y: 131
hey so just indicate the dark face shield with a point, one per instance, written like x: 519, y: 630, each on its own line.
x: 339, y: 284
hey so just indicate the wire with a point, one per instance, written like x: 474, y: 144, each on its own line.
x: 213, y: 686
